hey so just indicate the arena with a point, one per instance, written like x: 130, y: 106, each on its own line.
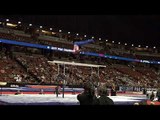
x: 35, y: 60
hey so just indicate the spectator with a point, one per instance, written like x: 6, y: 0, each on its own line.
x: 158, y: 94
x: 144, y: 91
x: 152, y: 96
x: 103, y: 99
x: 57, y: 91
x: 113, y: 91
x: 88, y: 96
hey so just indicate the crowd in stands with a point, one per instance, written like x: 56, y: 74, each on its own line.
x: 11, y: 71
x: 35, y: 69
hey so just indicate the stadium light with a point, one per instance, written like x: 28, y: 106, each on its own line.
x: 99, y: 38
x: 154, y: 47
x: 146, y: 46
x: 69, y: 32
x: 85, y: 35
x: 112, y: 41
x: 60, y: 30
x: 106, y: 40
x: 125, y: 44
x: 132, y: 45
x: 50, y: 28
x: 0, y: 22
x: 77, y: 34
x: 19, y: 22
x: 92, y: 37
x: 139, y: 45
x: 119, y: 43
x: 40, y: 27
x: 30, y: 24
x: 7, y: 20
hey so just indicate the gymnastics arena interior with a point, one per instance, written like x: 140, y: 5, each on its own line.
x: 33, y: 61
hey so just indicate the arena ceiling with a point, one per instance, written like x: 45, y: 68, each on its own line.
x: 136, y: 29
